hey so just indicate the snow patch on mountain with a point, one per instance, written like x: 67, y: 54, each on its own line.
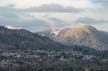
x: 11, y: 27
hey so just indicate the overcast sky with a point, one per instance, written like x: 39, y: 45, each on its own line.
x: 37, y: 15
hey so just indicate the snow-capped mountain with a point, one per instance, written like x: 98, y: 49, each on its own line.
x: 51, y: 33
x: 84, y: 35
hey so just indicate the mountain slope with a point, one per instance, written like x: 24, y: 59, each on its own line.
x: 23, y: 39
x: 83, y: 35
x: 20, y: 39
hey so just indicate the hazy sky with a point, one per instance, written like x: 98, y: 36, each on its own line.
x: 36, y: 15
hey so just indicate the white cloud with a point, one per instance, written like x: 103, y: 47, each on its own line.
x: 89, y: 20
x: 11, y: 12
x: 53, y: 8
x: 32, y: 3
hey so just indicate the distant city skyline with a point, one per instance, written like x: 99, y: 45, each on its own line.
x: 37, y: 15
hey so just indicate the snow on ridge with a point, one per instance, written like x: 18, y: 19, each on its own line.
x: 55, y: 31
x: 11, y: 27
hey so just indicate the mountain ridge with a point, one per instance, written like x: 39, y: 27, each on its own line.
x: 83, y: 35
